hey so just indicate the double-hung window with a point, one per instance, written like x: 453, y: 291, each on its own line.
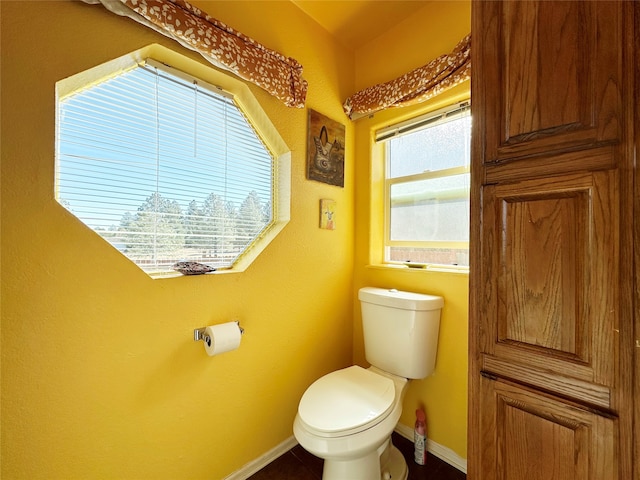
x: 427, y: 162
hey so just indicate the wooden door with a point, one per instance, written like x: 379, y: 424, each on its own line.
x: 551, y: 309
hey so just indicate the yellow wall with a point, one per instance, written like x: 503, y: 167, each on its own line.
x: 432, y: 31
x: 100, y: 375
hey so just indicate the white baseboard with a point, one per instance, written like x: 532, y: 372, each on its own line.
x: 443, y: 453
x: 255, y: 465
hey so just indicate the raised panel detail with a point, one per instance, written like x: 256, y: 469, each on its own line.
x: 542, y: 276
x: 544, y: 83
x: 540, y: 438
x: 550, y: 270
x: 545, y: 98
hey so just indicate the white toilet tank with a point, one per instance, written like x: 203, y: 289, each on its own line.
x: 400, y: 330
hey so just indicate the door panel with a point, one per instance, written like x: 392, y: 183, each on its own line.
x: 560, y: 78
x: 551, y: 262
x: 536, y: 437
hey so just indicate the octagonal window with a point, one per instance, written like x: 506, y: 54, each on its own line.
x: 168, y: 168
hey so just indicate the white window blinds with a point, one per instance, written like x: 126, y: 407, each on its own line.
x: 164, y: 167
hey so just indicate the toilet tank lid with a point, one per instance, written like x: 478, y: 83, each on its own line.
x: 399, y: 299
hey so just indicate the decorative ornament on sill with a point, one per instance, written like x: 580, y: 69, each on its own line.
x: 192, y: 268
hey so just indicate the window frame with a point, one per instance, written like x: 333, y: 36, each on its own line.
x: 244, y: 101
x: 458, y: 109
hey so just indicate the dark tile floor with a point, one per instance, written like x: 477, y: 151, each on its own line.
x: 298, y: 464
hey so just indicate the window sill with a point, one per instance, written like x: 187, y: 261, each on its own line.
x: 173, y: 274
x: 421, y: 268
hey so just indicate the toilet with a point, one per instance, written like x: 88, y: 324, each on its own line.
x: 347, y: 416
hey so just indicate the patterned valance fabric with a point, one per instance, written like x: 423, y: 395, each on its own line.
x: 417, y: 86
x: 220, y: 44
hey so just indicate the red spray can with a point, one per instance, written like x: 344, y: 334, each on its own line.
x: 420, y: 438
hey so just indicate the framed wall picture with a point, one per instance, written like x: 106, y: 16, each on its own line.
x: 325, y: 150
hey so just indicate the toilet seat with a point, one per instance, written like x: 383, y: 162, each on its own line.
x: 346, y: 401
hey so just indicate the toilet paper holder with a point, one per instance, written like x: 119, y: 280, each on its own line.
x: 199, y: 334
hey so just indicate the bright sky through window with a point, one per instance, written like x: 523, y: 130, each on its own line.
x: 164, y: 168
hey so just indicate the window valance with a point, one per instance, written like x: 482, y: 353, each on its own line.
x: 220, y: 44
x: 417, y: 86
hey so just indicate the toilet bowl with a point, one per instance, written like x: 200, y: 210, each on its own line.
x: 347, y: 417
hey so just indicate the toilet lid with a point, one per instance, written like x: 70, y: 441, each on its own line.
x: 346, y: 399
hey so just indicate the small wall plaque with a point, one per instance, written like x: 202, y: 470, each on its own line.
x: 328, y: 214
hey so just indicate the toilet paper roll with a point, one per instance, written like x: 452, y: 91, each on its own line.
x: 222, y: 338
